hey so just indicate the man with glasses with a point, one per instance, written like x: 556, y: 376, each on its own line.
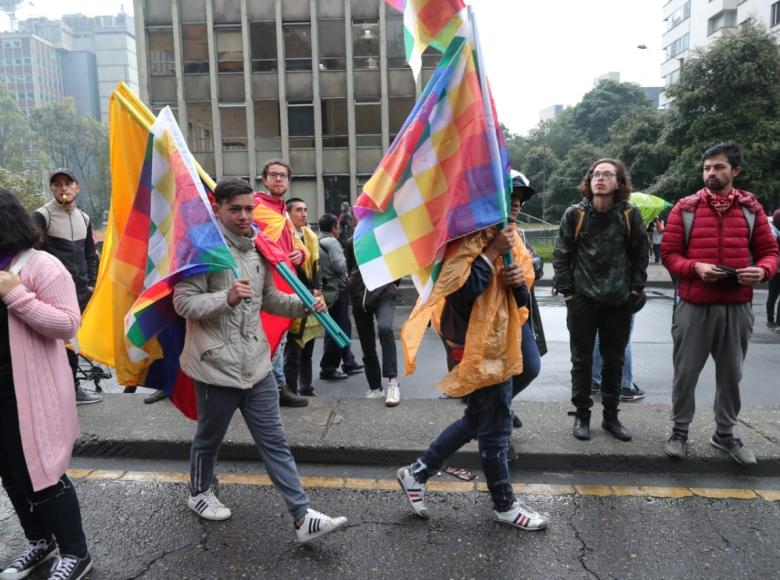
x: 600, y: 262
x: 276, y: 176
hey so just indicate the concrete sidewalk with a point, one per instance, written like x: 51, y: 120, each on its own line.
x: 360, y: 431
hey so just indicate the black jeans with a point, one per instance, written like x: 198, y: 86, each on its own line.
x: 297, y: 364
x: 51, y: 512
x: 333, y: 354
x: 771, y: 299
x: 584, y: 318
x: 384, y: 312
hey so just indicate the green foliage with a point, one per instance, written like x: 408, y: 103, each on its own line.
x: 79, y: 143
x: 15, y: 136
x: 599, y: 109
x: 25, y: 185
x: 729, y: 93
x: 562, y: 189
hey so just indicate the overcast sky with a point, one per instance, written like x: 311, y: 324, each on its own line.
x: 538, y: 52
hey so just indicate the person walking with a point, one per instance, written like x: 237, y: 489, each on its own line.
x: 718, y: 244
x: 474, y: 282
x: 772, y: 317
x: 67, y: 235
x: 39, y: 310
x: 600, y: 261
x: 227, y: 355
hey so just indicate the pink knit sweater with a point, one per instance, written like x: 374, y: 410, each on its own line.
x: 42, y: 313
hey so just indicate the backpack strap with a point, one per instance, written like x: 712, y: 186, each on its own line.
x: 627, y: 216
x: 750, y: 218
x: 579, y: 224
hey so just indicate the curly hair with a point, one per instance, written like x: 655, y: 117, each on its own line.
x: 17, y: 231
x: 624, y: 186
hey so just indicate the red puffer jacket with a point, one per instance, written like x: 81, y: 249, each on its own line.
x: 716, y: 239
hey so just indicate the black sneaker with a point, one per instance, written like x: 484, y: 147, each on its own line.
x: 70, y: 567
x: 595, y: 388
x: 33, y: 556
x: 516, y: 422
x: 354, y: 369
x: 632, y: 394
x: 336, y: 375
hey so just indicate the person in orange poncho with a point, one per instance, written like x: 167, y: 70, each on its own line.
x: 483, y: 289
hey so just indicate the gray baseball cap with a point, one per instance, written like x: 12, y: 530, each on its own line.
x: 62, y: 171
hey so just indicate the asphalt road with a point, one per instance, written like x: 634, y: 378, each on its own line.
x: 143, y: 529
x: 652, y: 348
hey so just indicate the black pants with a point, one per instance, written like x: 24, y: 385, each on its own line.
x: 297, y: 364
x: 51, y: 512
x: 384, y: 313
x: 333, y: 355
x: 584, y: 318
x: 771, y: 299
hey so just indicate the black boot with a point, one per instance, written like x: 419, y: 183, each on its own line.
x: 581, y: 425
x: 615, y: 427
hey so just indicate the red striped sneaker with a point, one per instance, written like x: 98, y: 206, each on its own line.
x: 414, y: 490
x: 522, y: 517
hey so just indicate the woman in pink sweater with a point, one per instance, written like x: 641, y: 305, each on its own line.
x: 38, y: 422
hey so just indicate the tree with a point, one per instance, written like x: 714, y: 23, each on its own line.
x: 602, y: 106
x: 634, y: 139
x: 15, y: 136
x: 731, y: 92
x: 25, y: 185
x: 562, y: 188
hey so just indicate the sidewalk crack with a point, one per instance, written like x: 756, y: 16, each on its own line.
x: 759, y: 432
x: 330, y: 422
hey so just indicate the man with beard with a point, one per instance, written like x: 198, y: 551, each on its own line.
x: 718, y: 245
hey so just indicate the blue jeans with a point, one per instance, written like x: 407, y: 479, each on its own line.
x: 532, y: 361
x: 487, y: 419
x: 628, y: 371
x: 277, y: 363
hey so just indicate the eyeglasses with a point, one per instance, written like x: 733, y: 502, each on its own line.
x: 276, y: 175
x: 604, y: 174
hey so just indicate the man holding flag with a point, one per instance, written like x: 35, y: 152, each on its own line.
x: 227, y: 355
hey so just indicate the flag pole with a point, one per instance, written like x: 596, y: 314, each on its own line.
x: 140, y: 112
x: 495, y: 153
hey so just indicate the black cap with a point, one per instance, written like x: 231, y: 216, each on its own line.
x: 62, y: 171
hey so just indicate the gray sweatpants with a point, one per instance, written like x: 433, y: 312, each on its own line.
x: 701, y: 330
x: 260, y: 408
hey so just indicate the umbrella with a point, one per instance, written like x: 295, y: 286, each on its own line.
x: 650, y: 206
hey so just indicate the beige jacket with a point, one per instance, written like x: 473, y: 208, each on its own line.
x: 226, y: 345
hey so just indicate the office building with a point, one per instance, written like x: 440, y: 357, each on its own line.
x: 321, y: 83
x: 31, y: 69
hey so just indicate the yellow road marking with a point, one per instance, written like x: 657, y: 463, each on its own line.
x: 263, y: 480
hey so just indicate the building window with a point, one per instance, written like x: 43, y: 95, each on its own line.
x: 263, y: 43
x: 161, y: 60
x: 775, y: 17
x: 335, y: 132
x: 723, y: 19
x: 267, y: 127
x: 678, y: 16
x: 233, y: 128
x: 195, y: 48
x: 300, y: 123
x: 678, y: 46
x: 297, y: 45
x: 365, y: 44
x: 368, y: 124
x: 229, y: 51
x: 336, y: 192
x: 333, y: 45
x: 201, y: 135
x: 400, y: 107
x: 396, y: 51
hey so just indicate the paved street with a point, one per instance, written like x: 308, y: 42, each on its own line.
x: 143, y: 529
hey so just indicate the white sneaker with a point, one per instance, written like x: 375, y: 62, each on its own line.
x: 522, y: 517
x: 374, y: 394
x: 414, y: 490
x: 316, y: 524
x: 207, y: 506
x: 393, y: 393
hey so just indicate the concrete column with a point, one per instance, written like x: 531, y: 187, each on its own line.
x: 139, y: 10
x: 248, y: 98
x: 317, y: 102
x: 216, y: 119
x: 282, y: 76
x: 178, y: 64
x: 351, y: 130
x: 383, y: 76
